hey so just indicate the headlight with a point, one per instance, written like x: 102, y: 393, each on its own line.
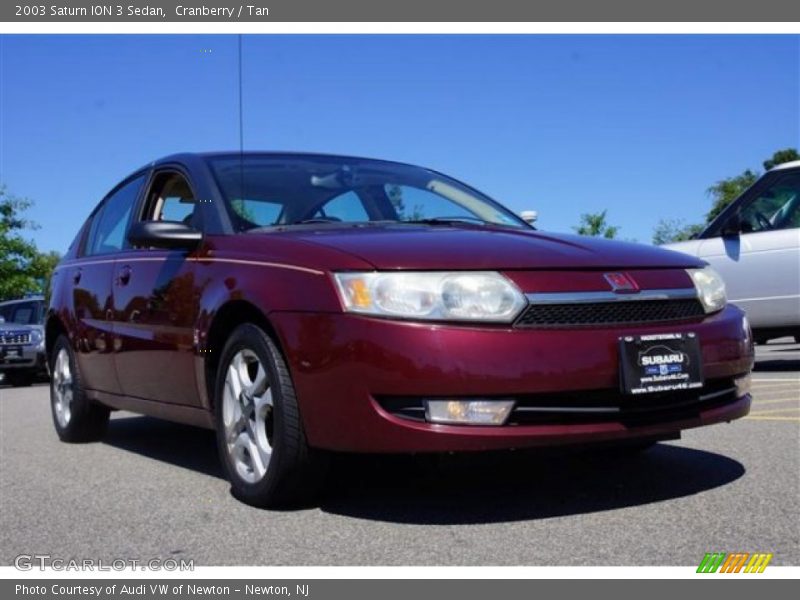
x: 710, y: 288
x: 445, y: 296
x: 36, y: 336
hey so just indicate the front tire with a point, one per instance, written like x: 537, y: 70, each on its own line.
x: 260, y: 436
x: 76, y: 418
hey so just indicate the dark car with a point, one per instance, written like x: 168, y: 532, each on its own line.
x: 22, y: 356
x: 306, y: 303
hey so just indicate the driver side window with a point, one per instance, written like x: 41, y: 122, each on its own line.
x: 776, y: 208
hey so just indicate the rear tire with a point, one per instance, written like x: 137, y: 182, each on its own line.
x: 260, y: 435
x: 76, y: 418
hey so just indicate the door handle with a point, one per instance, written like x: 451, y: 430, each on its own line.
x: 76, y: 276
x: 124, y: 275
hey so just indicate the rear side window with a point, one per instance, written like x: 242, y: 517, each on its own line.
x: 110, y: 223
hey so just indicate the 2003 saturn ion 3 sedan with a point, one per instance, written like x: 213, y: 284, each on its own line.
x: 306, y: 303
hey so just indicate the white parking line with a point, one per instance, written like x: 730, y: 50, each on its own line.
x: 758, y: 402
x: 777, y: 390
x: 775, y: 411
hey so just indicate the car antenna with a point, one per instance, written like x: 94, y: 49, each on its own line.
x: 241, y: 123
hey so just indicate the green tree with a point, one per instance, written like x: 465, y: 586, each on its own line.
x: 42, y: 267
x: 596, y: 225
x: 23, y: 269
x: 395, y: 194
x: 780, y: 157
x: 675, y: 230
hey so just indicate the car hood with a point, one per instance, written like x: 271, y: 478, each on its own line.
x: 464, y: 248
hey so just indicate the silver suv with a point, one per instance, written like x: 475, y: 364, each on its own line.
x: 22, y: 353
x: 755, y: 245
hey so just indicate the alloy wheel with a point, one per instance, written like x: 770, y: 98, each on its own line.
x: 63, y: 390
x: 247, y: 413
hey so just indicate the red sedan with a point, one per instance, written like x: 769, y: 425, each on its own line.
x: 305, y: 303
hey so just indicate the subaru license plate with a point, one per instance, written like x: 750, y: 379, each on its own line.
x: 663, y: 362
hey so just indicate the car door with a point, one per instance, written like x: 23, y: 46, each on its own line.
x: 156, y: 303
x: 759, y: 258
x: 90, y: 277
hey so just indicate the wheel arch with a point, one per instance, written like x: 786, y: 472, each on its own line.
x: 52, y: 329
x: 226, y: 318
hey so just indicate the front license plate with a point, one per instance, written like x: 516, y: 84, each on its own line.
x: 10, y: 352
x: 651, y: 364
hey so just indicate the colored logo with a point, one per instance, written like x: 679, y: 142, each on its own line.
x: 621, y: 283
x: 736, y: 562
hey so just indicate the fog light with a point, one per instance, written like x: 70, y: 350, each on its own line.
x: 742, y: 385
x: 468, y: 412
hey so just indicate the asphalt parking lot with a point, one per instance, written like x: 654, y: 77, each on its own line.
x: 152, y: 489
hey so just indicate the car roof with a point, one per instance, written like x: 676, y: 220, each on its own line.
x: 787, y: 165
x: 191, y: 156
x: 29, y: 299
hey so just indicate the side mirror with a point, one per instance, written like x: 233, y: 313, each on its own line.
x: 172, y: 235
x: 529, y: 216
x: 733, y: 226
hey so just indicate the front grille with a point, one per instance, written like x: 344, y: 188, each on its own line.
x: 14, y: 338
x: 609, y: 313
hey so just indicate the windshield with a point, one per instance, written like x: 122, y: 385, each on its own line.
x: 22, y: 313
x: 267, y: 191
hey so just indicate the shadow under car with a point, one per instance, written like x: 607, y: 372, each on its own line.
x: 476, y: 488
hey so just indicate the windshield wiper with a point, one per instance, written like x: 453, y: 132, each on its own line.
x: 316, y: 221
x: 448, y: 221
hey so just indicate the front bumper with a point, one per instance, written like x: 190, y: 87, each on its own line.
x: 344, y: 366
x: 32, y: 358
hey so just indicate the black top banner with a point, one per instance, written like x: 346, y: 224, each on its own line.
x: 399, y: 11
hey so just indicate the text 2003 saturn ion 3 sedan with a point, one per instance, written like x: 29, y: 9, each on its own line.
x: 303, y: 303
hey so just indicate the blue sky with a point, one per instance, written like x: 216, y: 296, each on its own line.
x: 638, y: 125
